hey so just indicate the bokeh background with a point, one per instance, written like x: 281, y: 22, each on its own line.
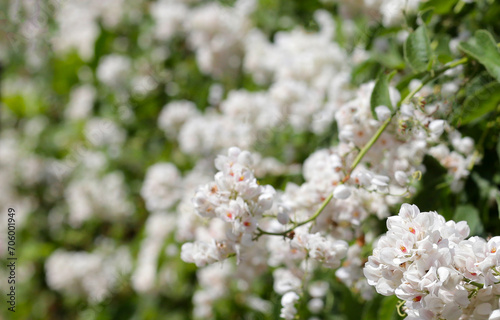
x: 96, y: 93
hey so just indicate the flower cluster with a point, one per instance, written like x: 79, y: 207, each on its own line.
x: 93, y: 274
x: 428, y: 263
x: 236, y: 198
x: 358, y: 188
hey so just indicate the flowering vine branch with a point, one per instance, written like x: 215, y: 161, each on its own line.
x: 432, y: 75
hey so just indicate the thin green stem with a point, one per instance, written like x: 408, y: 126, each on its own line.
x: 312, y: 218
x: 456, y: 63
x: 261, y: 232
x: 318, y: 212
x: 410, y: 95
x: 370, y: 143
x: 477, y: 284
x: 432, y: 76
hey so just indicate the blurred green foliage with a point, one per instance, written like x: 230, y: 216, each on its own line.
x: 476, y: 114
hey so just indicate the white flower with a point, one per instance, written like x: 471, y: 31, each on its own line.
x: 318, y: 289
x: 236, y: 198
x: 288, y: 302
x: 173, y: 116
x: 162, y: 186
x: 203, y: 253
x: 315, y: 305
x: 285, y: 280
x: 464, y: 145
x: 346, y: 134
x: 341, y: 192
x: 327, y: 251
x: 113, y: 69
x: 81, y: 102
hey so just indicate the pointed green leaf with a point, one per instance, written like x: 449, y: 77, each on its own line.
x: 380, y: 94
x: 417, y: 50
x: 364, y: 72
x: 439, y: 6
x: 481, y: 102
x: 426, y: 15
x: 483, y: 48
x: 442, y: 49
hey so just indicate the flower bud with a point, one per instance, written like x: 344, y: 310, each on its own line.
x: 283, y: 217
x: 283, y: 214
x: 437, y: 127
x: 266, y: 198
x: 289, y: 298
x: 233, y: 152
x: 315, y: 305
x: 382, y: 113
x: 318, y: 289
x: 341, y: 192
x: 380, y: 180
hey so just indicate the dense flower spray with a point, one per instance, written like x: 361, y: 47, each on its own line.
x: 430, y: 265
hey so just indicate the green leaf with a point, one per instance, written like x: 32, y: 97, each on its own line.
x: 442, y: 48
x: 426, y: 15
x: 388, y: 309
x: 483, y: 48
x: 365, y: 72
x: 390, y: 57
x: 417, y: 50
x: 481, y: 102
x: 439, y: 6
x: 380, y: 94
x: 469, y: 214
x: 391, y: 75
